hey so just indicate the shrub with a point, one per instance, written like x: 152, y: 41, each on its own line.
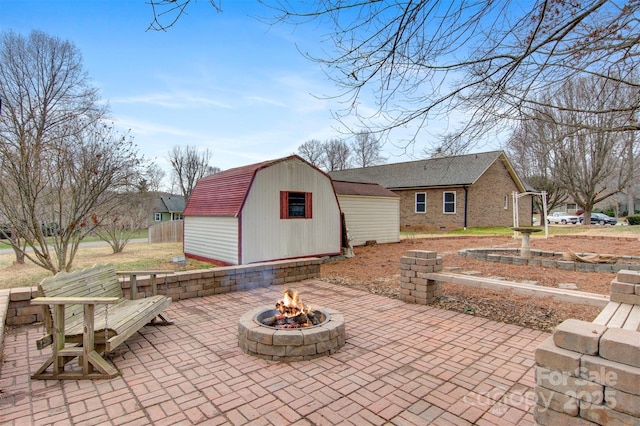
x: 634, y: 220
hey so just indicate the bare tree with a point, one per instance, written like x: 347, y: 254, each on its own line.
x: 313, y: 151
x: 586, y: 158
x: 151, y: 181
x: 117, y: 225
x: 188, y: 165
x: 167, y: 12
x: 449, y: 147
x: 485, y: 60
x: 337, y: 154
x: 528, y: 148
x: 490, y: 59
x: 58, y: 160
x: 366, y: 150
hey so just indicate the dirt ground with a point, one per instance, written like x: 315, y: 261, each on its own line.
x: 377, y: 269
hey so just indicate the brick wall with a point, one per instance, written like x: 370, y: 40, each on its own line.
x: 487, y: 196
x: 486, y: 200
x: 434, y: 219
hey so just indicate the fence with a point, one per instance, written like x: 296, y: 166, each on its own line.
x: 166, y: 232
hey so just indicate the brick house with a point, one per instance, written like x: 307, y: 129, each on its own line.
x: 473, y: 190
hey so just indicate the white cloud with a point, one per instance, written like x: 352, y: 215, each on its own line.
x: 171, y: 100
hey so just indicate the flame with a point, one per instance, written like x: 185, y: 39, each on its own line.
x: 291, y: 304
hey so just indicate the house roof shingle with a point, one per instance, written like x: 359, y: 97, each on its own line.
x: 433, y: 172
x: 365, y: 189
x: 166, y: 202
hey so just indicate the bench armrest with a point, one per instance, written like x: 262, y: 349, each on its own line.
x: 133, y: 280
x: 74, y: 300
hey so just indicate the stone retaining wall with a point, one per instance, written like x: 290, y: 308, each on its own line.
x: 589, y: 374
x: 16, y: 308
x: 549, y: 259
x: 414, y: 287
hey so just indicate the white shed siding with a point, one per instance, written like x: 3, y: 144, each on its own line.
x: 212, y: 238
x: 371, y: 218
x: 267, y: 237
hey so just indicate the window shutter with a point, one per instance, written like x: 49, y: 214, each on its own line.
x: 307, y: 205
x: 284, y: 204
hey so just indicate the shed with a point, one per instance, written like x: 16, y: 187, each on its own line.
x: 278, y: 209
x: 372, y: 212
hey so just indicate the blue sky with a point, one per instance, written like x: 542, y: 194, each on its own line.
x: 226, y: 81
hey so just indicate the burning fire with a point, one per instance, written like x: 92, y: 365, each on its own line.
x: 290, y: 305
x: 292, y: 313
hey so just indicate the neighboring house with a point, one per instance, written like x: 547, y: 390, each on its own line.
x: 473, y: 190
x: 372, y: 213
x: 167, y: 207
x: 279, y: 209
x: 617, y: 202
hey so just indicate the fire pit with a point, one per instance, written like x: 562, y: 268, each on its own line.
x: 291, y: 332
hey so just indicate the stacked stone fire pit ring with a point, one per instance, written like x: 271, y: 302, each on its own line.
x: 294, y: 344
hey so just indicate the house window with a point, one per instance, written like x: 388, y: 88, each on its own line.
x: 157, y: 217
x: 449, y: 202
x: 572, y: 207
x: 506, y: 201
x: 421, y: 202
x: 295, y: 205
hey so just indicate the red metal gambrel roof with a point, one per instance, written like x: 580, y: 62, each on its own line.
x: 223, y: 193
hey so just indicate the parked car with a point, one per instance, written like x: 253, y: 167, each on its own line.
x: 562, y: 217
x: 600, y: 219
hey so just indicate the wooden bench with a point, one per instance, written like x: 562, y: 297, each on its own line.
x: 87, y: 310
x: 620, y: 315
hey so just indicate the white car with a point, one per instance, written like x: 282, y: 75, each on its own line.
x: 562, y: 218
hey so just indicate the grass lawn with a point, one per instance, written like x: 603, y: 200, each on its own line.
x: 159, y: 256
x: 135, y: 256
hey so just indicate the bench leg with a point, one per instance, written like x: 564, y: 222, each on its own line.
x: 161, y: 319
x: 93, y: 365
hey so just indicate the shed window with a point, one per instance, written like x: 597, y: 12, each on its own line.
x: 421, y: 202
x: 449, y: 202
x: 295, y: 205
x: 157, y: 217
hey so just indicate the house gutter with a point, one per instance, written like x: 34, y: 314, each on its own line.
x: 466, y: 196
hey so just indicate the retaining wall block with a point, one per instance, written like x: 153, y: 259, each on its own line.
x: 579, y: 336
x: 623, y: 402
x: 621, y: 346
x: 611, y: 374
x: 622, y: 287
x: 603, y: 415
x: 633, y: 299
x: 550, y: 356
x: 628, y: 276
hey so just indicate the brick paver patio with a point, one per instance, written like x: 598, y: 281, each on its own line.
x: 402, y: 364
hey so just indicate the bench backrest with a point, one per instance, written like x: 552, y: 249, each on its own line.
x: 99, y: 280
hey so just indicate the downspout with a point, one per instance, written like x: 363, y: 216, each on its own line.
x: 466, y: 196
